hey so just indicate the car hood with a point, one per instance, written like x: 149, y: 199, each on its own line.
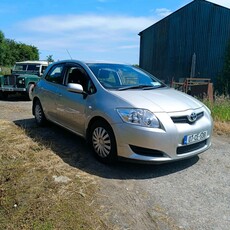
x: 159, y: 100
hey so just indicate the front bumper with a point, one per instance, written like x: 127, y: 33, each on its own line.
x: 12, y: 89
x: 162, y: 145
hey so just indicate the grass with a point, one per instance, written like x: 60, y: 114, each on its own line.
x: 32, y: 197
x: 220, y: 110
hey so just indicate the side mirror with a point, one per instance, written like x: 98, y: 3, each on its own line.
x: 75, y: 88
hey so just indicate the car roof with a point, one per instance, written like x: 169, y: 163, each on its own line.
x: 89, y: 62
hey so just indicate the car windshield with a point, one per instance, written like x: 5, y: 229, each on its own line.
x: 124, y: 77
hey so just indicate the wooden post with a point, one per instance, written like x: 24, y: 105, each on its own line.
x: 210, y: 92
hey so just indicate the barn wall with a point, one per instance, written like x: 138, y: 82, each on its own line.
x: 167, y: 47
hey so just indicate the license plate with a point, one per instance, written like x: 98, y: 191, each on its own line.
x: 195, y: 137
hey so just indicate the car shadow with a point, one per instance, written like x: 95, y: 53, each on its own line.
x: 15, y: 98
x: 74, y: 151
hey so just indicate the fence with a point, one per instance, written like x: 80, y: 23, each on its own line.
x: 198, y: 87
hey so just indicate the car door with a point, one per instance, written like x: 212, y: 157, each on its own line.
x: 51, y: 91
x: 74, y: 106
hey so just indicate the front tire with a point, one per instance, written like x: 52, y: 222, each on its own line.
x: 39, y: 114
x: 103, y: 142
x: 29, y: 91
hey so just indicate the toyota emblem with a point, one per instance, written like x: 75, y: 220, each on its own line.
x: 192, y: 118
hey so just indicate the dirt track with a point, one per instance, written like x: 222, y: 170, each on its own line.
x: 191, y: 194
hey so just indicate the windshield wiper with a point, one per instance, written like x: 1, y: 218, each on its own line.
x: 144, y: 87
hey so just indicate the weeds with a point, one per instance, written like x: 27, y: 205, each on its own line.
x: 220, y: 108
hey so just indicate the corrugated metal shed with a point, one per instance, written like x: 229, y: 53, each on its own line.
x: 167, y: 47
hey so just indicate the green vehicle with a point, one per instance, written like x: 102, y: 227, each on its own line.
x: 22, y: 79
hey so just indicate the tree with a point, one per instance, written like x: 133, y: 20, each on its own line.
x: 223, y: 80
x: 2, y: 47
x: 27, y: 52
x: 50, y: 58
x: 12, y: 51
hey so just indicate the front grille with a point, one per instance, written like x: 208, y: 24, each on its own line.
x: 10, y: 79
x: 184, y: 119
x: 146, y: 152
x: 190, y: 148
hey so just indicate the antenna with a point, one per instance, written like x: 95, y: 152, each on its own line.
x: 69, y: 54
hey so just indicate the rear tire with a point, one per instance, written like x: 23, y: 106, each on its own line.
x: 39, y: 114
x: 103, y: 142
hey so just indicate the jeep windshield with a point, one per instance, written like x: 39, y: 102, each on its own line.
x: 27, y: 68
x: 124, y: 77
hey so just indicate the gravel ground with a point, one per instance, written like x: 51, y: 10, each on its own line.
x: 190, y: 194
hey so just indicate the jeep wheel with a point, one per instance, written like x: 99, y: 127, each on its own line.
x: 29, y: 91
x: 39, y: 114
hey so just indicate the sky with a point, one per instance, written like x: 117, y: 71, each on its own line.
x: 85, y: 29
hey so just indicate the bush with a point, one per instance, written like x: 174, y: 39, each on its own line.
x: 5, y: 70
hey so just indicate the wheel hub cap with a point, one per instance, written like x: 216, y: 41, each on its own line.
x: 101, y: 142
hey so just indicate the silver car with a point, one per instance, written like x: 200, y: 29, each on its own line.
x: 122, y: 111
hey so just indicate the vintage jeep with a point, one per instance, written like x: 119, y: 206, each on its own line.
x: 22, y: 79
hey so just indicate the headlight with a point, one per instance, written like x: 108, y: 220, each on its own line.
x: 21, y: 81
x: 142, y: 117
